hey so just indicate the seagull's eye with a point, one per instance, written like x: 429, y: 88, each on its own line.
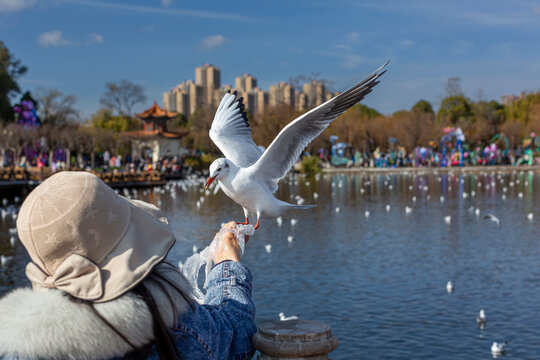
x: 218, y: 169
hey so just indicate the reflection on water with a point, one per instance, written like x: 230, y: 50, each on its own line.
x: 380, y: 280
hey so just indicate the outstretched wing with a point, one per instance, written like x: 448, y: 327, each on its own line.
x: 231, y: 133
x: 284, y: 151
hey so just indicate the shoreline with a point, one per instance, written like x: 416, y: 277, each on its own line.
x: 431, y: 170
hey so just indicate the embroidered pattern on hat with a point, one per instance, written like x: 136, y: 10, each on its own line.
x: 95, y: 234
x: 111, y: 216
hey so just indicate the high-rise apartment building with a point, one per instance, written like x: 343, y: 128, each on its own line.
x: 209, y: 78
x: 206, y: 90
x: 245, y: 82
x: 281, y: 94
x: 316, y: 93
x: 169, y: 100
x: 261, y: 102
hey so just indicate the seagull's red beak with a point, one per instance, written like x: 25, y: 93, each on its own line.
x: 209, y: 181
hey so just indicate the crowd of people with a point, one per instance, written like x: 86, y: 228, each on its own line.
x: 451, y: 151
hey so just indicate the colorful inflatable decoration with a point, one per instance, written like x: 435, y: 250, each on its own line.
x: 26, y: 112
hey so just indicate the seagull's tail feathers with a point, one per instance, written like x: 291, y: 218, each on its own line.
x: 300, y: 207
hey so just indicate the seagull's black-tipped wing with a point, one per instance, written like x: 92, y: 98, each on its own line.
x: 284, y: 151
x: 231, y: 132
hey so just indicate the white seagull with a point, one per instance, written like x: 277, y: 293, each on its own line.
x: 282, y: 317
x: 449, y: 287
x: 493, y: 218
x: 481, y: 317
x: 249, y: 176
x: 498, y: 348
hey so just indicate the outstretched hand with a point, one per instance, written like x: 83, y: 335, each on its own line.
x: 228, y: 248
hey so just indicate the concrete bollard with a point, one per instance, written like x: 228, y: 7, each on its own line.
x: 294, y: 339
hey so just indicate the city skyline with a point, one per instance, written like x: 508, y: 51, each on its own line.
x: 185, y: 97
x: 77, y: 46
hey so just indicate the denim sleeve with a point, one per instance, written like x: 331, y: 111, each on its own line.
x: 222, y: 327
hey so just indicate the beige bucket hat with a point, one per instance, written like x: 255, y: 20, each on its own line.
x: 88, y: 241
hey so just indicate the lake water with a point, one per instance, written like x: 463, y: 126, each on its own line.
x: 380, y: 280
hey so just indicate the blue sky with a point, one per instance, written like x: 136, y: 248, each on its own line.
x: 76, y: 46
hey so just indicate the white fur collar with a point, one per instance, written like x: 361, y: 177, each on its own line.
x: 48, y: 324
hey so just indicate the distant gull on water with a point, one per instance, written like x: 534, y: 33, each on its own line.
x: 282, y: 317
x: 449, y: 287
x: 491, y: 217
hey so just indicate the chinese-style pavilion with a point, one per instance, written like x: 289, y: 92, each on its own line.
x: 154, y: 138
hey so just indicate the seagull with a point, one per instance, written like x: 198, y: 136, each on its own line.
x: 449, y: 287
x: 268, y: 248
x: 387, y: 208
x: 366, y: 213
x: 408, y: 210
x: 249, y: 176
x: 290, y: 238
x: 282, y: 317
x: 293, y: 222
x: 498, y: 348
x: 448, y: 219
x: 481, y: 317
x: 490, y: 216
x: 530, y: 216
x: 279, y: 220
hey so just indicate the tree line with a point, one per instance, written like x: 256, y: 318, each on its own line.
x: 364, y: 128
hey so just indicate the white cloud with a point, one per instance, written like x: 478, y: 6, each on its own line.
x: 344, y: 47
x: 406, y: 43
x: 15, y: 5
x: 161, y: 11
x: 53, y: 38
x: 352, y: 61
x: 213, y: 41
x: 166, y: 2
x: 353, y: 36
x: 96, y: 38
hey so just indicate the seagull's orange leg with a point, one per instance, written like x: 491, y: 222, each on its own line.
x: 257, y: 224
x: 244, y: 223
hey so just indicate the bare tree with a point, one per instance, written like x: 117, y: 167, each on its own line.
x: 122, y: 96
x: 56, y: 108
x: 453, y: 87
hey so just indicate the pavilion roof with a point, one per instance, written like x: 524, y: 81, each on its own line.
x: 157, y: 133
x: 156, y: 112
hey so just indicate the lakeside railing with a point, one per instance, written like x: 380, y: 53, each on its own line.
x: 13, y: 177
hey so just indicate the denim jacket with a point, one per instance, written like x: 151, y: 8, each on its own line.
x: 220, y: 328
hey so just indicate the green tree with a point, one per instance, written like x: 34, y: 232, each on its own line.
x: 10, y: 71
x: 362, y: 110
x: 199, y: 125
x: 522, y: 108
x: 422, y: 106
x: 104, y: 119
x: 455, y: 108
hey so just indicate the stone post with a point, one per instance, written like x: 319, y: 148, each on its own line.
x: 294, y: 339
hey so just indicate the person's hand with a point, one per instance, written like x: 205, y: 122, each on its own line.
x: 228, y: 248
